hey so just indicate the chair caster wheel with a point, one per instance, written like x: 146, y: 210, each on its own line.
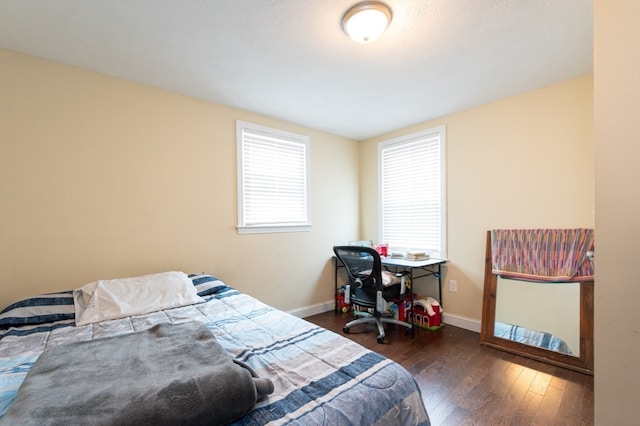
x: 345, y: 329
x: 380, y: 339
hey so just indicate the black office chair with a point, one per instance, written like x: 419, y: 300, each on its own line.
x: 370, y: 287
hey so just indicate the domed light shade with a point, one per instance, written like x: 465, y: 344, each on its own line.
x: 366, y: 21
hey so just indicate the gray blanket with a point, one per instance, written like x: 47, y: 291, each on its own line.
x: 167, y: 375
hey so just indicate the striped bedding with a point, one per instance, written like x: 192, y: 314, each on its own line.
x: 320, y: 378
x: 530, y: 337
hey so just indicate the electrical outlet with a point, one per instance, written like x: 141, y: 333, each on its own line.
x: 453, y: 286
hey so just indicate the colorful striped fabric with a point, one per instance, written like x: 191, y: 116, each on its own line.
x: 547, y: 255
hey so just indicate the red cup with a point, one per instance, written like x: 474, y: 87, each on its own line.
x: 383, y: 249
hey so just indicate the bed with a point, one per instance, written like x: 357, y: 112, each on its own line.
x: 539, y: 339
x: 317, y: 377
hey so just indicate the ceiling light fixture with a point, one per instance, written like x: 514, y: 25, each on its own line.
x: 366, y: 21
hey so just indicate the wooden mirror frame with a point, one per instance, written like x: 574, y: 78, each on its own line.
x: 582, y: 363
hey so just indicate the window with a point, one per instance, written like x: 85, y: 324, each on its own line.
x: 411, y: 190
x: 273, y: 180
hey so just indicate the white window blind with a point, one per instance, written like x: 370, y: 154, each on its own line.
x: 412, y: 192
x: 273, y: 180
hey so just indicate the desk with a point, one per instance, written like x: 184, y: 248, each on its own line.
x: 424, y: 268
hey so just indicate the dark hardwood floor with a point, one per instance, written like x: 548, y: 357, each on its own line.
x: 464, y: 383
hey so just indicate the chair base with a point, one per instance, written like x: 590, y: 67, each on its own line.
x: 378, y: 321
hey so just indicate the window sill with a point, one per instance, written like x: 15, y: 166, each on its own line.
x: 273, y: 229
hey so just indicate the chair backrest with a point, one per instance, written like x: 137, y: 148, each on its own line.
x: 363, y: 265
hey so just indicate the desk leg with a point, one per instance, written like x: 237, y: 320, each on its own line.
x: 440, y: 287
x: 413, y: 325
x: 335, y: 285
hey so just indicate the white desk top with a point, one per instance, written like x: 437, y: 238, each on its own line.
x: 395, y: 261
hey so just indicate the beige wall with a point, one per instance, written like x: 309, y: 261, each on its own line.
x: 617, y: 166
x: 525, y: 161
x: 104, y: 178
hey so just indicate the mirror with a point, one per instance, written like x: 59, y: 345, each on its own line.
x: 539, y: 314
x: 563, y: 311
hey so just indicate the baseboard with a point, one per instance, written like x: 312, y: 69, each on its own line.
x: 452, y: 319
x: 307, y: 311
x: 462, y: 322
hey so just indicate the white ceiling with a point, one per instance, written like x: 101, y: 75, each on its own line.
x: 291, y: 60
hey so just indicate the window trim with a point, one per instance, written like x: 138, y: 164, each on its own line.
x: 276, y: 133
x: 441, y: 131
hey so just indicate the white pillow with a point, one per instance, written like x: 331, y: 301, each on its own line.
x: 110, y: 299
